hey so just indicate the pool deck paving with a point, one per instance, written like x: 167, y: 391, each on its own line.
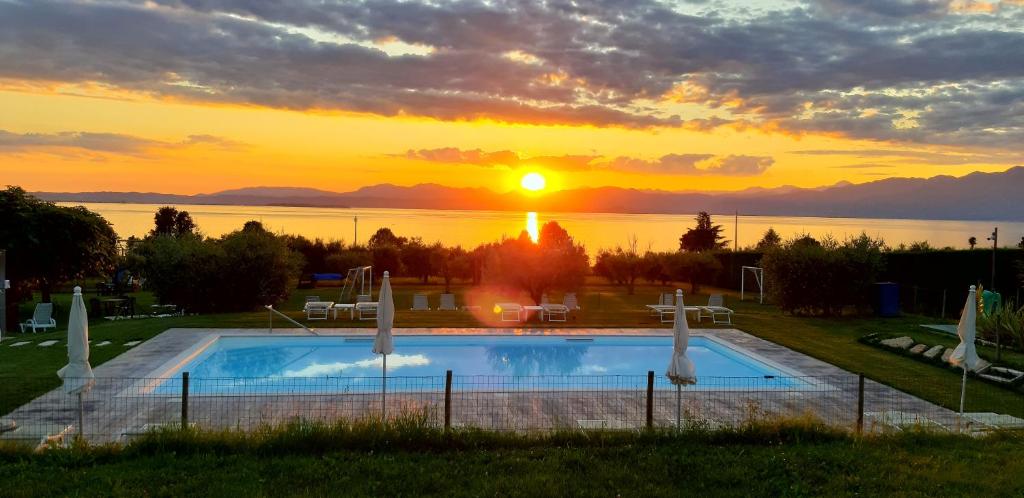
x: 121, y: 404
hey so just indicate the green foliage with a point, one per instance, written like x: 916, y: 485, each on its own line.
x: 554, y: 262
x: 169, y: 221
x: 807, y: 276
x: 1006, y: 322
x: 770, y: 240
x: 416, y: 260
x: 621, y: 266
x: 240, y: 271
x: 697, y: 268
x: 48, y: 245
x: 450, y: 263
x: 706, y: 236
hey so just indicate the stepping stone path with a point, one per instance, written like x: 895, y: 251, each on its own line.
x: 934, y: 352
x: 21, y: 343
x: 104, y: 343
x: 899, y: 342
x: 46, y: 344
x: 918, y: 349
x: 132, y: 343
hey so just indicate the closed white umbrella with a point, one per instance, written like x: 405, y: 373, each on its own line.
x: 681, y: 370
x: 77, y: 374
x: 965, y: 355
x: 383, y: 344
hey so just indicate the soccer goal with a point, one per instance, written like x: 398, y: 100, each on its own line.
x: 758, y: 274
x: 360, y: 277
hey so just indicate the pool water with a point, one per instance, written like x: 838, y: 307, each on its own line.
x: 290, y: 363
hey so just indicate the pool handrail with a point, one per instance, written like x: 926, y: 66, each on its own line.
x: 286, y: 317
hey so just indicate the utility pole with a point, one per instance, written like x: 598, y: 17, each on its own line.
x: 355, y: 230
x: 736, y: 233
x: 995, y: 245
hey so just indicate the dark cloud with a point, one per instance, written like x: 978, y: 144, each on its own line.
x: 908, y: 70
x: 114, y: 143
x: 669, y: 164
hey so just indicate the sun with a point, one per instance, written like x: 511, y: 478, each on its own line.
x: 534, y: 182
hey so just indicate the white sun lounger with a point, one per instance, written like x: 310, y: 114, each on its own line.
x: 42, y: 318
x: 318, y: 310
x: 715, y: 309
x: 570, y: 301
x: 510, y: 312
x: 447, y: 302
x: 420, y: 303
x: 667, y: 313
x: 554, y: 312
x: 366, y: 311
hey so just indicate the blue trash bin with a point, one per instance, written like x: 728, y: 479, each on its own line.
x: 887, y: 299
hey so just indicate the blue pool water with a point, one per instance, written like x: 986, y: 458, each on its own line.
x: 310, y: 364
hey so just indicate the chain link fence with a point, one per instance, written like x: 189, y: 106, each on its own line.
x: 118, y: 409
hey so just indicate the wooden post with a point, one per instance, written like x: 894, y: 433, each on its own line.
x: 447, y: 400
x: 184, y: 400
x: 860, y: 404
x: 650, y: 399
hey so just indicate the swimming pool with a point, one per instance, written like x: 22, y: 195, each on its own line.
x: 302, y: 363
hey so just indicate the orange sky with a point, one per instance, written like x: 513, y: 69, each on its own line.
x: 173, y: 97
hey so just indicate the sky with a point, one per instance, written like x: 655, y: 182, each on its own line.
x: 197, y: 96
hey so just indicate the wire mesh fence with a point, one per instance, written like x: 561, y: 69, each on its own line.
x: 118, y: 409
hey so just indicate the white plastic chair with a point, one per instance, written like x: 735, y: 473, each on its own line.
x: 420, y: 303
x: 715, y: 308
x: 447, y: 302
x: 570, y: 301
x: 42, y: 318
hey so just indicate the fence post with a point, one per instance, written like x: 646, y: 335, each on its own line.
x: 860, y: 403
x: 184, y: 400
x: 650, y: 399
x: 943, y: 315
x: 447, y: 400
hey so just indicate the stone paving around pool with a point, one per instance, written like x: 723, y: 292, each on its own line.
x: 121, y: 404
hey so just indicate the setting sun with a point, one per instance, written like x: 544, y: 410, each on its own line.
x: 533, y: 182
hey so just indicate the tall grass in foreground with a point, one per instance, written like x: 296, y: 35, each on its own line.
x: 415, y: 433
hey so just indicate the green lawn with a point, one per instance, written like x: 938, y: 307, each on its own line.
x: 28, y: 371
x: 777, y: 461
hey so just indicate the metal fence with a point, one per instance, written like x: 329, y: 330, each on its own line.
x: 118, y: 409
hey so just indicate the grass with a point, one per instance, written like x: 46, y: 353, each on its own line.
x: 833, y: 340
x: 788, y: 458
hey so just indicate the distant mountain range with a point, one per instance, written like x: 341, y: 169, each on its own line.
x: 977, y: 196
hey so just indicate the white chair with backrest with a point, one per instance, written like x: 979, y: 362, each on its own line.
x: 366, y: 310
x: 317, y: 310
x: 715, y: 309
x: 420, y: 303
x: 570, y: 301
x: 667, y: 299
x: 42, y: 318
x: 310, y: 299
x: 363, y: 298
x: 447, y: 302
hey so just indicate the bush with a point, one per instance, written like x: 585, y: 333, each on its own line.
x: 697, y: 268
x: 620, y: 266
x: 805, y: 276
x: 258, y: 269
x: 554, y: 262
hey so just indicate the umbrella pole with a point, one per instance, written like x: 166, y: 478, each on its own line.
x: 384, y: 388
x: 679, y: 406
x: 963, y: 393
x: 81, y: 417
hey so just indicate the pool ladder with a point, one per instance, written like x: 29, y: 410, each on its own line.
x: 286, y: 317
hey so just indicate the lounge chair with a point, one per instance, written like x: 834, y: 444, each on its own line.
x: 318, y: 310
x: 366, y: 310
x: 310, y: 299
x: 447, y: 302
x: 667, y: 299
x: 363, y: 298
x: 42, y: 318
x: 544, y: 299
x: 715, y: 309
x: 420, y: 303
x: 510, y: 312
x: 570, y: 301
x: 554, y: 312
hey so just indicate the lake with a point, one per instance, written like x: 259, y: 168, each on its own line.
x: 595, y: 230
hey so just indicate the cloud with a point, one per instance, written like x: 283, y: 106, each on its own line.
x: 915, y: 71
x: 114, y: 143
x: 910, y: 156
x: 669, y: 164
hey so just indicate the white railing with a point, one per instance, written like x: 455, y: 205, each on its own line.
x: 286, y: 317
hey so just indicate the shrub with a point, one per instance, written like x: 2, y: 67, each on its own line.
x: 258, y: 269
x: 620, y: 266
x: 554, y: 262
x: 180, y: 270
x: 697, y: 268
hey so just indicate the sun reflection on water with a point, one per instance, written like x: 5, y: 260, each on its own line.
x: 531, y: 226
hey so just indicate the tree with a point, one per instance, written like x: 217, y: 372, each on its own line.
x: 973, y: 241
x: 771, y: 239
x: 654, y: 267
x: 703, y: 237
x: 554, y: 262
x: 385, y: 237
x: 48, y: 245
x: 169, y: 221
x: 622, y: 266
x: 450, y: 263
x: 694, y: 267
x: 1021, y: 244
x: 258, y: 267
x: 416, y: 259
